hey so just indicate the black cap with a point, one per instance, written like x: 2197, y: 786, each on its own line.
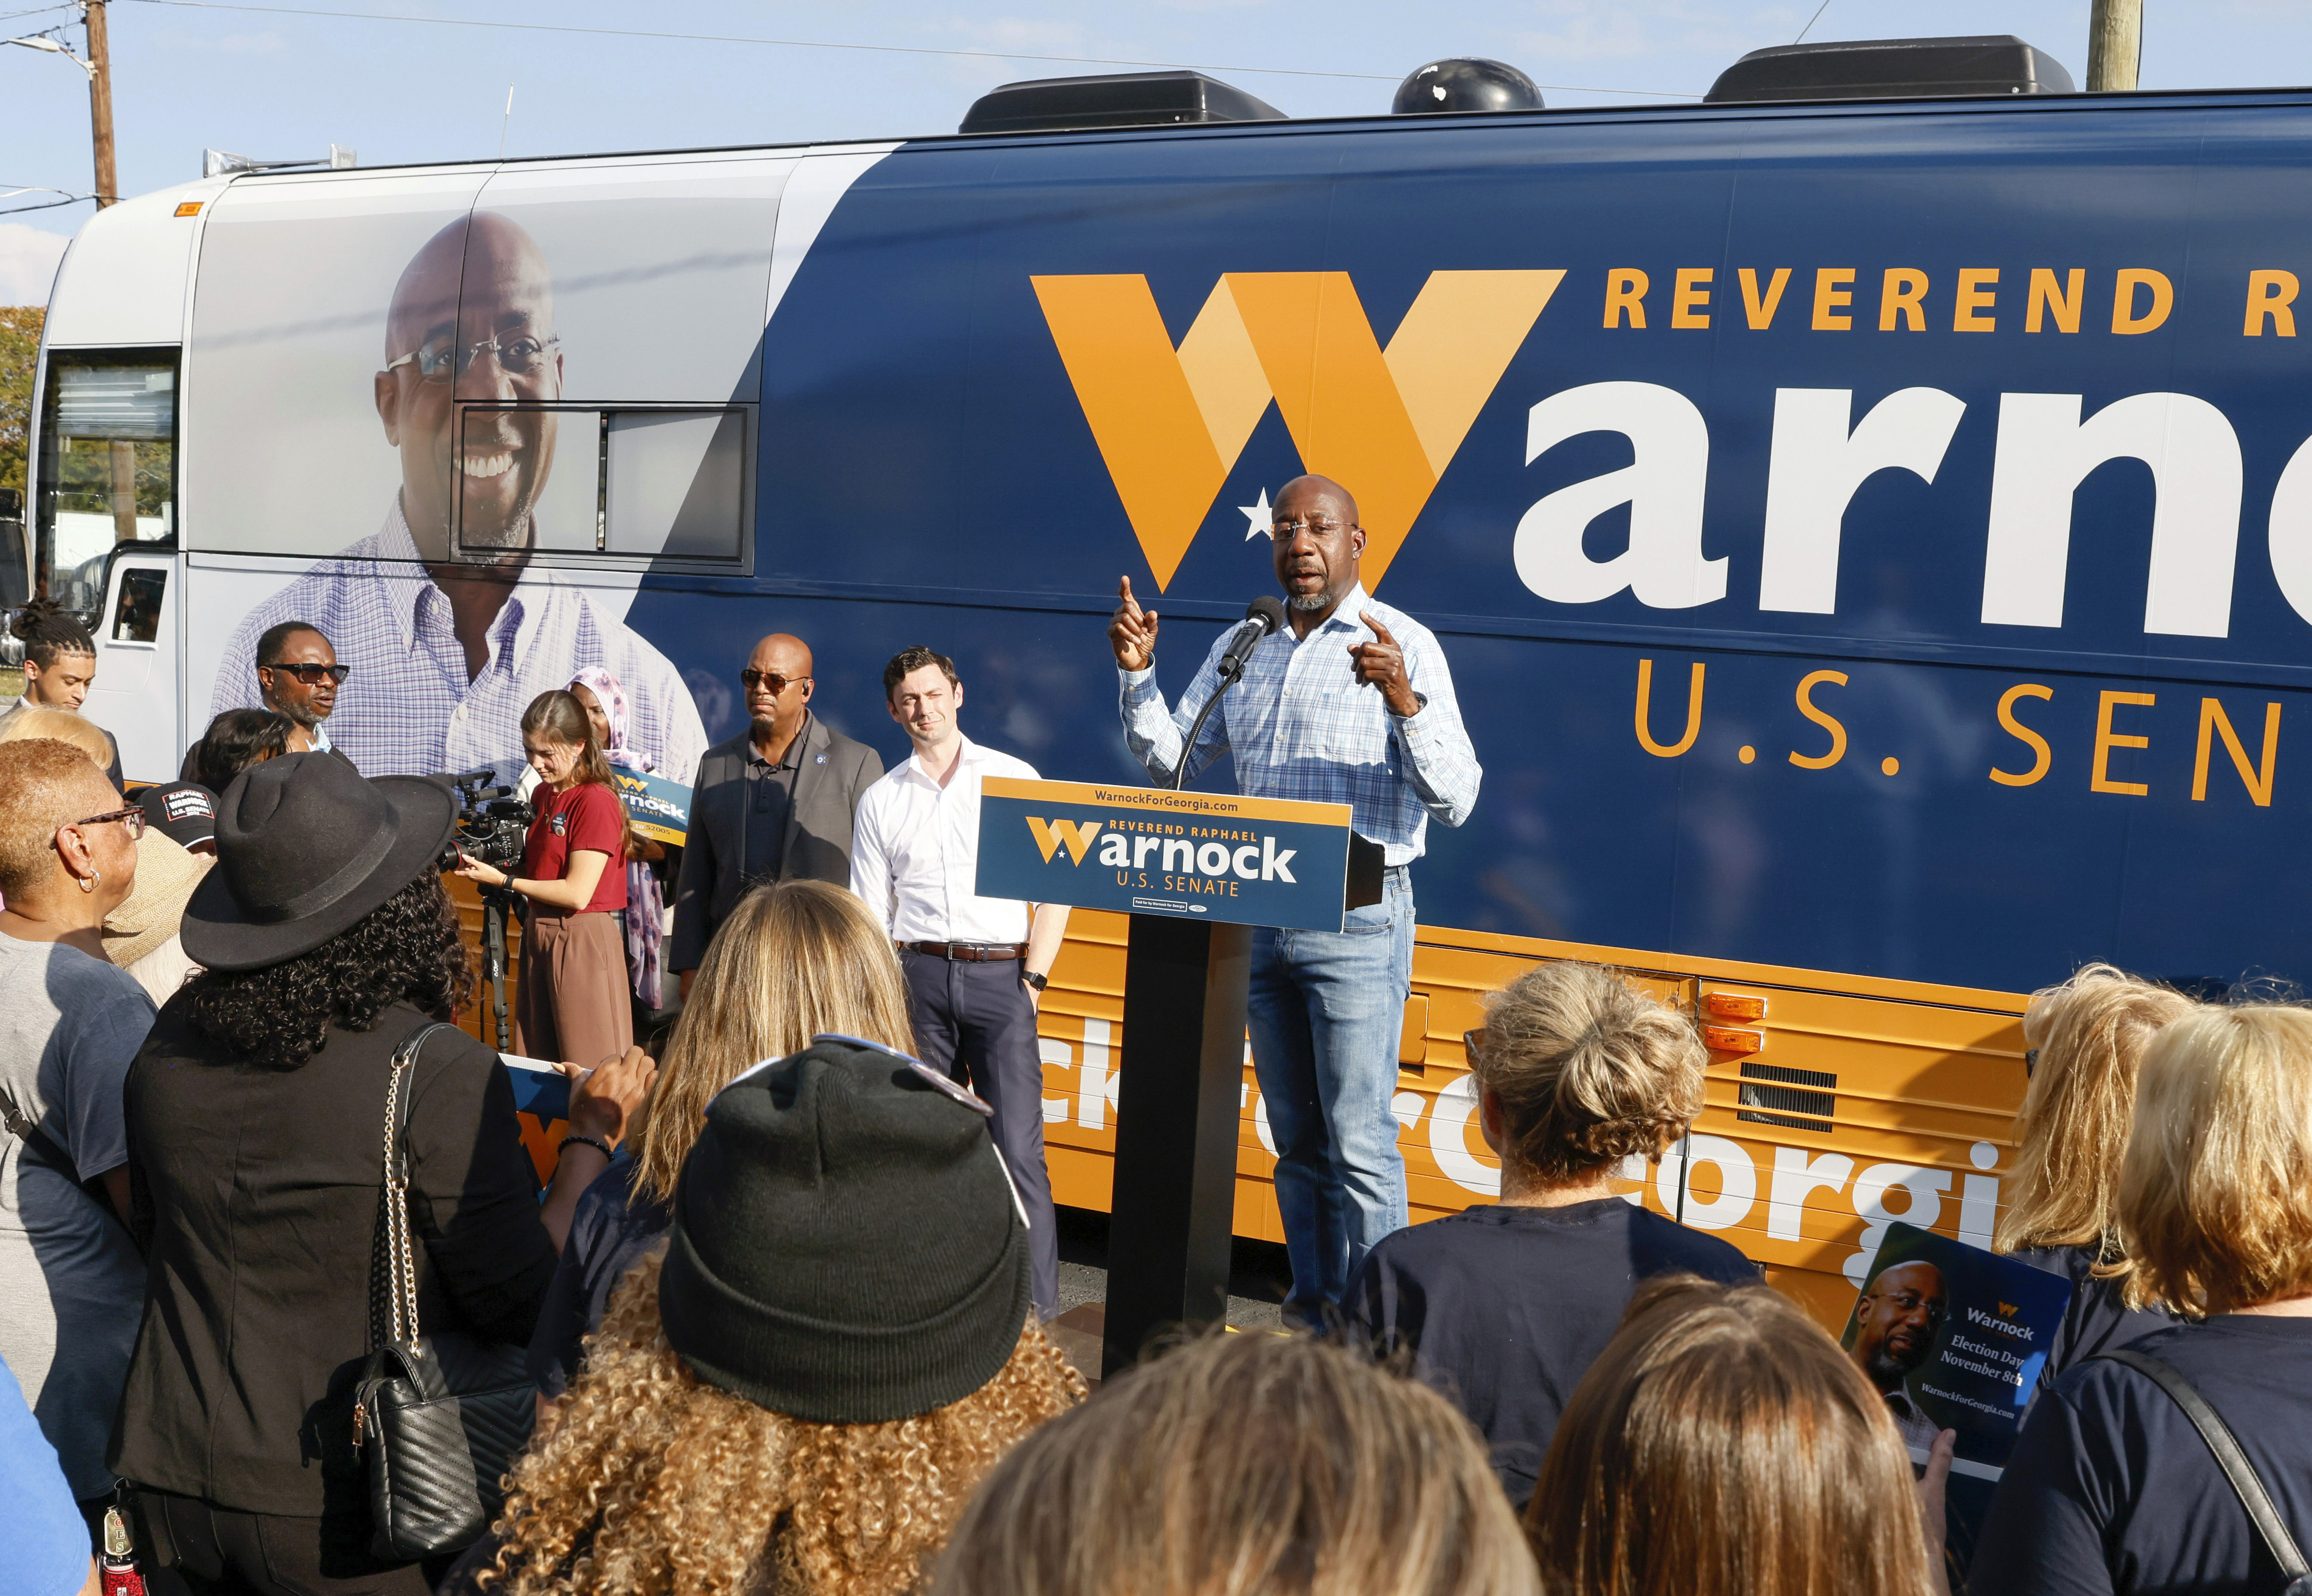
x: 185, y: 812
x: 845, y: 1246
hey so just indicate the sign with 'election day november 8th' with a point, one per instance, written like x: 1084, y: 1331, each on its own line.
x: 1141, y: 851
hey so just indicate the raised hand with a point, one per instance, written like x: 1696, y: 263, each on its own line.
x: 1132, y: 631
x: 1381, y: 664
x: 603, y: 1100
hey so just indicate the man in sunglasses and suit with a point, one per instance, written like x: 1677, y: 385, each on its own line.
x: 774, y: 804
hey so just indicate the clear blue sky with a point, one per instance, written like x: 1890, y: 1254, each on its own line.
x: 271, y: 83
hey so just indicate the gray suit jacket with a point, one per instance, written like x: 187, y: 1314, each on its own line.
x: 835, y: 771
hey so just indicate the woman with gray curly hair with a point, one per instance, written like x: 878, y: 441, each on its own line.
x: 1504, y: 1306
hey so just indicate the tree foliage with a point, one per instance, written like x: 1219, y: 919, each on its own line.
x: 20, y: 351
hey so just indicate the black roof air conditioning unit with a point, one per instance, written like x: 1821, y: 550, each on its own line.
x: 1121, y: 99
x: 1892, y: 69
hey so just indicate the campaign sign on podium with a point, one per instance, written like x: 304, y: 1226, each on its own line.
x: 1144, y: 851
x: 1196, y: 871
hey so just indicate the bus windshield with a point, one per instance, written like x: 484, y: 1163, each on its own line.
x: 108, y: 465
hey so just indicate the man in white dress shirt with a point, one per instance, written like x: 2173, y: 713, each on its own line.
x: 976, y: 967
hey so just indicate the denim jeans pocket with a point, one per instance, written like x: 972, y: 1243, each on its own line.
x: 1372, y: 920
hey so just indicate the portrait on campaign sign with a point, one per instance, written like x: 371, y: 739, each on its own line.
x: 459, y: 396
x: 1138, y: 850
x: 1955, y: 1338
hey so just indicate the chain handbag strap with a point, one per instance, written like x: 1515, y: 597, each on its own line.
x: 399, y: 1265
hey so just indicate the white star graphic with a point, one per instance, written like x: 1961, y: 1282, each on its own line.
x: 1259, y: 516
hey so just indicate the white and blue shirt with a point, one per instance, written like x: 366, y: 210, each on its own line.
x: 1300, y: 725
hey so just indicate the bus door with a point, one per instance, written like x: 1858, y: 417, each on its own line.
x: 136, y: 696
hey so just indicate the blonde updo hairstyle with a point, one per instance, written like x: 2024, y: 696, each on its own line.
x: 1588, y: 1070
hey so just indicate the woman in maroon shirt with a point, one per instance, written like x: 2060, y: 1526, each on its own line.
x: 572, y: 1000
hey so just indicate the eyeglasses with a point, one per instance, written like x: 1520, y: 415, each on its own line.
x: 1910, y: 1302
x: 1473, y: 1043
x: 777, y: 684
x: 312, y: 674
x: 132, y: 817
x: 1279, y: 531
x: 524, y: 355
x: 2030, y: 1057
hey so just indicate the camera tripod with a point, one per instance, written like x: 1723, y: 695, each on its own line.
x: 497, y: 902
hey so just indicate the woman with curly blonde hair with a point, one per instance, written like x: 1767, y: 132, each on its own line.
x: 2088, y: 1037
x: 1502, y: 1307
x: 794, y: 960
x: 799, y: 1395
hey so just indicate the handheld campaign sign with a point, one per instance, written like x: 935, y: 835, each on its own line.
x: 541, y: 1105
x: 1955, y: 1339
x: 658, y: 809
x: 1142, y: 851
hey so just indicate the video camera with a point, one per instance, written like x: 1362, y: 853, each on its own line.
x: 493, y: 824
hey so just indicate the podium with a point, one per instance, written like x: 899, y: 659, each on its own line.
x: 1196, y: 871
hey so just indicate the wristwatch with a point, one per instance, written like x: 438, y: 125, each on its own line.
x: 1035, y: 980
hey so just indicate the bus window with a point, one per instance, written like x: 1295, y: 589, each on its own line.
x: 136, y: 612
x: 639, y: 485
x: 675, y: 484
x: 108, y: 465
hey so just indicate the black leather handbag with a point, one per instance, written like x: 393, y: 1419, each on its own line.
x: 436, y: 1418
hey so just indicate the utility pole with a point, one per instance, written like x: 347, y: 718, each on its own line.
x: 2114, y: 44
x: 99, y: 103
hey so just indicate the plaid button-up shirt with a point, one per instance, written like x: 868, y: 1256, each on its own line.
x: 406, y: 707
x: 1300, y: 725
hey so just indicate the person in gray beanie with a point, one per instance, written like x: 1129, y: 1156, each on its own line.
x: 798, y: 1394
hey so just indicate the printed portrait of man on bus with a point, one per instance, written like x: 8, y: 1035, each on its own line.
x: 448, y: 626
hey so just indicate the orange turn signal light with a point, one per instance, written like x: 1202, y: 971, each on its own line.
x: 1733, y: 1005
x: 191, y: 208
x: 1726, y: 1038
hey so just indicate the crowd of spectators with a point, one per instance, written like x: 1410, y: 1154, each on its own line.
x: 775, y: 1321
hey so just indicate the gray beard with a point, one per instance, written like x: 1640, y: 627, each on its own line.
x: 1313, y: 601
x: 307, y: 718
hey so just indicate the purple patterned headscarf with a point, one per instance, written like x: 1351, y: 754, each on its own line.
x: 645, y: 900
x: 612, y: 697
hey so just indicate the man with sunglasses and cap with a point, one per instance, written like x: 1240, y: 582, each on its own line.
x: 774, y: 803
x: 298, y: 674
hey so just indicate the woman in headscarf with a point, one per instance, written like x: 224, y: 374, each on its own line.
x: 598, y: 692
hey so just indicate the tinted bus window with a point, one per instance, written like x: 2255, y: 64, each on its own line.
x: 107, y: 472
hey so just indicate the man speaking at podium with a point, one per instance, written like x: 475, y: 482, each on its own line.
x: 1353, y: 705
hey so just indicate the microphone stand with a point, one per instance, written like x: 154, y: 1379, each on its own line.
x: 1231, y: 667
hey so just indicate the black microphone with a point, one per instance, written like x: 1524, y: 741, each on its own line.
x: 1263, y: 615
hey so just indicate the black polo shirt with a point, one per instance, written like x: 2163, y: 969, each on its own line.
x: 770, y: 801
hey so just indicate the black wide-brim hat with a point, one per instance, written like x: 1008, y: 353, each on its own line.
x: 305, y: 846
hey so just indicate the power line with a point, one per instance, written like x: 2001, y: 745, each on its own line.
x: 820, y: 44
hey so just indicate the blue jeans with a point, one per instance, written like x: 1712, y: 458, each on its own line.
x: 1326, y: 1008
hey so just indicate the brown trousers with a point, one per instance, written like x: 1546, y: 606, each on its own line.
x: 571, y: 1006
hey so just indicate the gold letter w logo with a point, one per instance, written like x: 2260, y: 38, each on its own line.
x: 1385, y: 423
x: 1076, y: 834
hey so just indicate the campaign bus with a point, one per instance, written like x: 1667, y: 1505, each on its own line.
x: 1872, y: 540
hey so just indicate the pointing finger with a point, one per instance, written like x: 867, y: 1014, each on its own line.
x: 1380, y: 631
x: 1124, y: 592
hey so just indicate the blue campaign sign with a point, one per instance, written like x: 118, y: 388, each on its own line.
x: 658, y: 808
x: 1140, y: 851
